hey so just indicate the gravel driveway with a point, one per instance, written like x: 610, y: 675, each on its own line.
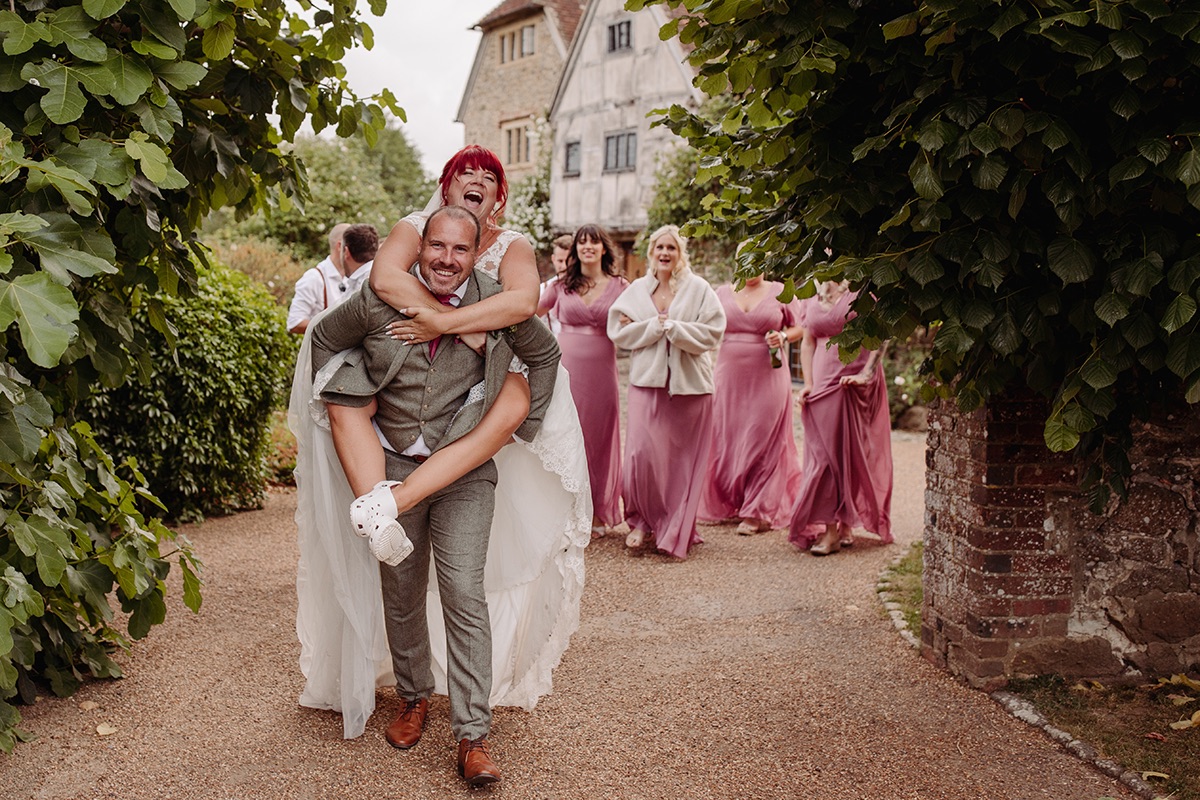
x: 748, y: 671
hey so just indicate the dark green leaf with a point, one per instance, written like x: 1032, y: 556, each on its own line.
x: 984, y: 138
x: 64, y: 247
x: 1059, y: 438
x: 989, y: 173
x: 73, y: 27
x: 186, y: 9
x: 102, y: 9
x: 1179, y: 313
x: 1188, y: 170
x: 1184, y: 274
x: 1098, y: 372
x: 1183, y: 355
x: 20, y: 36
x: 1070, y: 260
x: 45, y: 312
x: 1144, y: 275
x: 1004, y: 337
x: 1130, y: 168
x: 925, y: 179
x: 1112, y: 308
x: 130, y: 79
x: 1126, y: 44
x: 900, y: 27
x: 1155, y: 151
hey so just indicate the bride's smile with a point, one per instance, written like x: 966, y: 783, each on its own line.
x: 475, y: 190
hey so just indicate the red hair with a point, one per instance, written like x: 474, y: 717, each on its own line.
x: 474, y: 156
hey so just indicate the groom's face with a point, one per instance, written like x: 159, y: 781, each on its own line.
x: 447, y: 253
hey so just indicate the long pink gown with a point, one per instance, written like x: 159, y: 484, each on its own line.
x: 667, y: 440
x: 847, y: 474
x: 754, y: 471
x: 591, y: 360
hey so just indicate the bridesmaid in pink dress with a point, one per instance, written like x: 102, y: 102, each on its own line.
x: 670, y: 321
x: 580, y: 300
x: 754, y: 473
x: 847, y: 476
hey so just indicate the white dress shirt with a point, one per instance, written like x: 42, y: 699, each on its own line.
x: 321, y: 282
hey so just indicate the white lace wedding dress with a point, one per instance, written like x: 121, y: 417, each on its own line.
x: 534, y: 574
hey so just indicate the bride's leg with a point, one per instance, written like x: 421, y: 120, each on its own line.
x: 463, y: 455
x: 357, y: 445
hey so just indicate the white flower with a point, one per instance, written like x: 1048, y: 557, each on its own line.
x: 898, y: 380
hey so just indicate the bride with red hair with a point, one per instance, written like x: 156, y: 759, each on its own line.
x: 534, y: 572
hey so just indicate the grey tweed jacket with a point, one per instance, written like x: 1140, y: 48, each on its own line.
x: 437, y: 412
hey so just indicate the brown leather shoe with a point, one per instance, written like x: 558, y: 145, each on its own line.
x: 405, y: 730
x: 475, y: 764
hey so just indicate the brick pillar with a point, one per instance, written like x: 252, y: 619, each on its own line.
x: 1022, y: 579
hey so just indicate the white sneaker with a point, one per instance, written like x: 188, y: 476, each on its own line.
x: 389, y: 543
x: 373, y: 508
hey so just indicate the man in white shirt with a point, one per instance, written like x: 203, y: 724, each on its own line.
x: 558, y: 257
x: 325, y: 285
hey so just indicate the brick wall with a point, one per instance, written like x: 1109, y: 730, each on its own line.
x: 1021, y: 579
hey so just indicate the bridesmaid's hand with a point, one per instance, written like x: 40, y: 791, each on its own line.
x: 802, y: 395
x: 625, y: 320
x: 421, y: 326
x: 861, y: 379
x: 774, y: 338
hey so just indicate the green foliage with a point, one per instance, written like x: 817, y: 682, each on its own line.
x: 73, y: 536
x: 398, y: 164
x: 348, y: 181
x: 1026, y: 174
x: 198, y: 421
x: 528, y: 209
x: 680, y: 199
x: 902, y: 367
x: 265, y: 263
x: 123, y: 124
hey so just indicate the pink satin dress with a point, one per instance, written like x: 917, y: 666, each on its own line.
x: 847, y: 471
x: 754, y: 471
x: 591, y: 360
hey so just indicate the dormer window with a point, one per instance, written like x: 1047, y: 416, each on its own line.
x: 517, y: 44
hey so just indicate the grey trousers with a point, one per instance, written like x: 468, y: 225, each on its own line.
x: 453, y: 525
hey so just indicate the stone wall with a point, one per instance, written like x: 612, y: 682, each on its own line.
x: 1022, y: 579
x: 512, y: 92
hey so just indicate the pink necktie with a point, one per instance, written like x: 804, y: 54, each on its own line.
x: 444, y: 299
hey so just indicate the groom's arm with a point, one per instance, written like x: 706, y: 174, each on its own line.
x: 534, y: 344
x: 343, y: 327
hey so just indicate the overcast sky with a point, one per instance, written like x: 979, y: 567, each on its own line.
x: 423, y: 52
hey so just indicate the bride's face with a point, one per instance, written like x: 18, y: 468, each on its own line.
x: 475, y: 190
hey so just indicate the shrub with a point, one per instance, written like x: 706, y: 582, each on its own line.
x: 266, y: 263
x: 197, y: 418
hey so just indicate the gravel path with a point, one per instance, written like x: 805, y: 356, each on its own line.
x: 748, y: 671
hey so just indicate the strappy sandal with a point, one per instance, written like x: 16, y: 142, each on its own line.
x: 373, y: 508
x: 635, y: 539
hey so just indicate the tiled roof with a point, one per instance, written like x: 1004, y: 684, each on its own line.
x: 567, y: 13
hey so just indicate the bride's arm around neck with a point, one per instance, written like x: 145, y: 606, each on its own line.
x: 518, y: 275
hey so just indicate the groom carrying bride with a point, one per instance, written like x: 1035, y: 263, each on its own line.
x: 425, y: 403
